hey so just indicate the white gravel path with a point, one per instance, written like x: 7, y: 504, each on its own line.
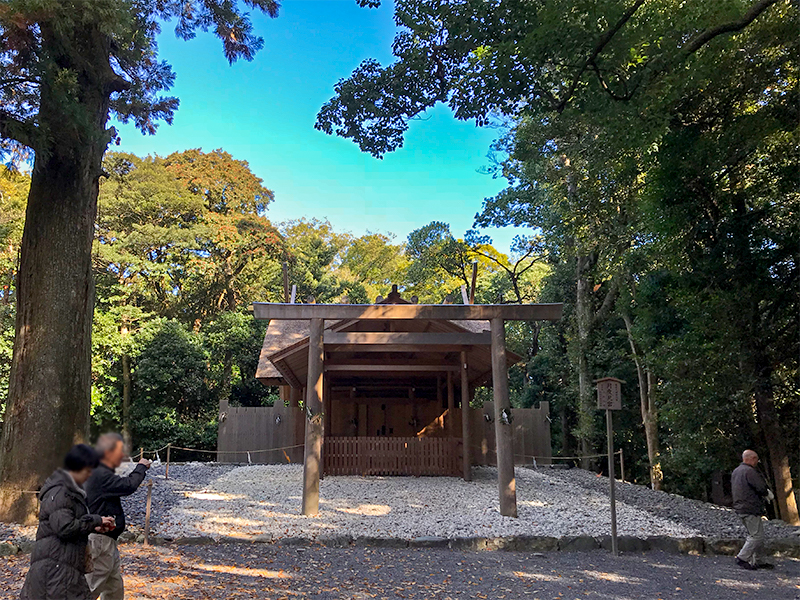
x: 265, y: 500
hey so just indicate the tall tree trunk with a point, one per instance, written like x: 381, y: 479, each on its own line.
x: 776, y: 446
x: 648, y: 409
x: 584, y: 315
x: 126, y: 402
x: 50, y: 383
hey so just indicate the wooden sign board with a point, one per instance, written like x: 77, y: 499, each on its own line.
x: 609, y: 394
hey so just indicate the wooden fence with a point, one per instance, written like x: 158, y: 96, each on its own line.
x: 392, y: 456
x: 272, y: 435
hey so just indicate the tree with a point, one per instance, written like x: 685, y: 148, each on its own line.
x: 171, y: 401
x: 316, y: 255
x: 66, y: 67
x: 505, y: 57
x: 235, y: 243
x: 376, y: 263
x: 13, y: 193
x: 615, y: 96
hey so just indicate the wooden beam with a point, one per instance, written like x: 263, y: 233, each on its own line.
x: 373, y: 368
x: 294, y: 397
x: 465, y: 430
x: 341, y: 398
x: 458, y: 312
x: 394, y: 348
x: 314, y: 420
x: 400, y: 338
x: 506, y: 481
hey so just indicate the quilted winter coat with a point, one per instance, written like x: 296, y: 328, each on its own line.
x: 58, y: 561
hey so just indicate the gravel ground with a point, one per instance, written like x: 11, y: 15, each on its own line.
x: 264, y: 500
x: 259, y: 571
x: 184, y: 479
x: 224, y: 500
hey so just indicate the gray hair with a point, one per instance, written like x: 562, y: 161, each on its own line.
x: 107, y: 442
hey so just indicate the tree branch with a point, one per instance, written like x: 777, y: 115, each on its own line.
x: 598, y: 48
x: 12, y: 128
x: 712, y: 32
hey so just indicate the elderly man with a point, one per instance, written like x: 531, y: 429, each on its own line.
x: 749, y: 492
x: 104, y: 491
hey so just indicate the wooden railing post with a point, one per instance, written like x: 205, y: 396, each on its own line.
x: 147, y: 512
x: 465, y: 429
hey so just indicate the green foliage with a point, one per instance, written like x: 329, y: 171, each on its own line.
x: 238, y: 336
x: 653, y: 148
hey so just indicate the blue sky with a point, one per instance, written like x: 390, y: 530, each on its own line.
x: 264, y: 112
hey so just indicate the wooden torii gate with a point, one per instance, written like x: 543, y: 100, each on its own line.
x: 496, y: 314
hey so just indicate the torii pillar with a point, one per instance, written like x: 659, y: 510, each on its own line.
x: 312, y: 463
x: 502, y: 426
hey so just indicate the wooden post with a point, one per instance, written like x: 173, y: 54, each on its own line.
x: 621, y: 466
x: 451, y: 405
x: 147, y: 512
x: 502, y: 413
x: 166, y: 473
x: 474, y: 282
x: 464, y: 294
x: 314, y: 420
x: 466, y: 442
x: 327, y: 402
x: 285, y: 282
x: 611, y: 486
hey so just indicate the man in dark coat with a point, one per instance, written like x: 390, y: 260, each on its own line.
x: 749, y: 491
x: 104, y: 491
x: 59, y: 558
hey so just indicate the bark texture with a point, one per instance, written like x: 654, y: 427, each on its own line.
x: 50, y: 383
x: 647, y: 407
x: 776, y: 446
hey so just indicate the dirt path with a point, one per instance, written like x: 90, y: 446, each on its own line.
x: 275, y: 572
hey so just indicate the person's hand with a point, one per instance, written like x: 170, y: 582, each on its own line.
x: 108, y: 524
x: 146, y: 462
x: 770, y: 495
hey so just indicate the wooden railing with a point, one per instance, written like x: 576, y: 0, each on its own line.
x: 392, y: 456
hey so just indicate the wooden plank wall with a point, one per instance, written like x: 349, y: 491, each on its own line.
x: 531, y: 435
x: 273, y: 435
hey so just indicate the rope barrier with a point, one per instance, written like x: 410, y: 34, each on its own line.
x: 551, y: 457
x: 238, y: 451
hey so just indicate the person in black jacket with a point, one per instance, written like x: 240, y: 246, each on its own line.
x: 749, y: 491
x: 104, y: 491
x: 59, y: 558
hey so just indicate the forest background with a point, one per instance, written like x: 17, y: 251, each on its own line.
x: 653, y: 177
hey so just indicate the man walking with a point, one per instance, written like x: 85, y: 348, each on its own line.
x: 749, y: 491
x: 104, y: 489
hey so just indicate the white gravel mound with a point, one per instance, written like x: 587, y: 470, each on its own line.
x: 265, y: 501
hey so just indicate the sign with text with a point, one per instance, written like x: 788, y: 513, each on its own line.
x: 609, y: 394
